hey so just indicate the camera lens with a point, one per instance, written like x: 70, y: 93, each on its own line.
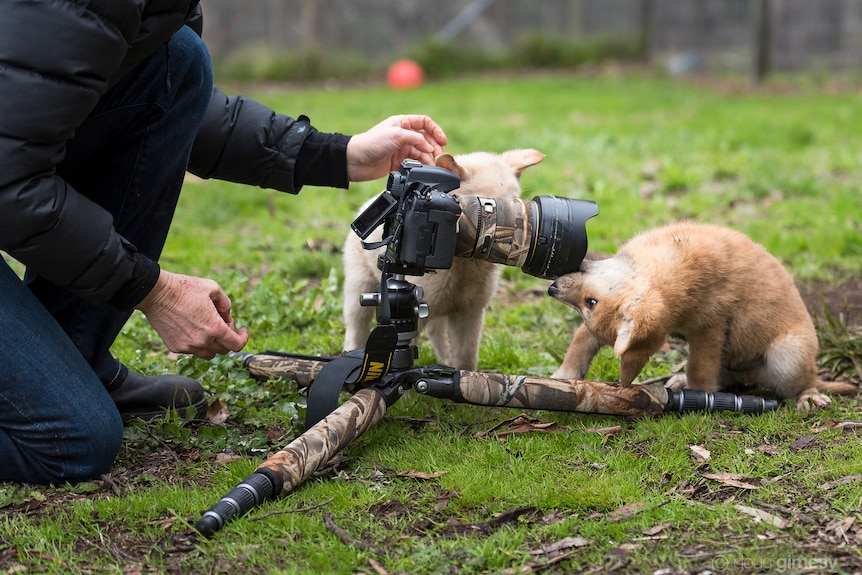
x: 545, y: 237
x: 560, y: 239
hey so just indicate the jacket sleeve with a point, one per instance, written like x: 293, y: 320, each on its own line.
x: 241, y: 140
x: 56, y: 61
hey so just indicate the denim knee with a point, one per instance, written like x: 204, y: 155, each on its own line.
x: 70, y: 446
x: 190, y: 66
x: 87, y: 455
x: 57, y: 421
x: 101, y: 439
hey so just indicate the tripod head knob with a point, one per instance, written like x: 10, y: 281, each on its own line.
x: 422, y: 310
x: 369, y: 299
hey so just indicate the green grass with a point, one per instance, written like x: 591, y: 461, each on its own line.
x: 782, y: 165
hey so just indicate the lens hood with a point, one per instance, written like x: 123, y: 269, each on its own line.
x: 559, y: 235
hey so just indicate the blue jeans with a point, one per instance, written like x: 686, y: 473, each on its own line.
x: 57, y: 420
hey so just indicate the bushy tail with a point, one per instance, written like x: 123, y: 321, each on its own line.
x: 838, y: 387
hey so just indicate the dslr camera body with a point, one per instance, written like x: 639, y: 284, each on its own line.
x: 425, y: 226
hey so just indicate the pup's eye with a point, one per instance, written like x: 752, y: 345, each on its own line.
x: 590, y: 303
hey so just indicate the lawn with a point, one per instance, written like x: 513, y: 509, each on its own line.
x: 439, y: 487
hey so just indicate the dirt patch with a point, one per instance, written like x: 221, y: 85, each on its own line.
x: 843, y: 301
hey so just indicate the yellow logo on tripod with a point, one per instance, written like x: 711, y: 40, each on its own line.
x: 372, y: 370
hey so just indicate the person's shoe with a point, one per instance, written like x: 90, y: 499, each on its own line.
x: 150, y: 397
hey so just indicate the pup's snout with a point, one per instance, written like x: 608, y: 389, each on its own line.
x: 562, y: 286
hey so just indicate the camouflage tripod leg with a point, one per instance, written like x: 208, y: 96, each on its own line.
x: 574, y: 395
x: 311, y: 450
x: 286, y: 469
x: 300, y: 369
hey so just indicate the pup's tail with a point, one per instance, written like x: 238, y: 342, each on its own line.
x: 838, y: 387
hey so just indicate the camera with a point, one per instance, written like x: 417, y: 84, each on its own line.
x: 425, y: 226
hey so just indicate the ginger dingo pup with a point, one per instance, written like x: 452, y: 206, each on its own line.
x: 456, y: 297
x: 733, y: 302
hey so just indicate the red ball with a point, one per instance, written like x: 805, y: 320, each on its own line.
x: 404, y: 74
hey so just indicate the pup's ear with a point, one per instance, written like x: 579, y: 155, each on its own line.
x: 624, y: 336
x: 448, y: 161
x: 641, y: 321
x: 519, y: 160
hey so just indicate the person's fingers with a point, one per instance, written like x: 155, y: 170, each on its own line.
x: 426, y: 157
x: 416, y: 145
x: 431, y: 136
x: 222, y: 304
x: 219, y: 343
x: 230, y: 338
x: 421, y: 122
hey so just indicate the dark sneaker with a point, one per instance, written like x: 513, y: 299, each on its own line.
x: 150, y: 397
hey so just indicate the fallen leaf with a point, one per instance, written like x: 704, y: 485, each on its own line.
x: 849, y: 424
x: 521, y: 424
x: 413, y: 474
x: 561, y: 545
x: 732, y: 479
x: 841, y: 526
x: 540, y: 564
x: 761, y: 515
x: 656, y: 529
x: 217, y: 412
x: 801, y: 443
x: 444, y: 498
x: 626, y: 511
x: 840, y: 425
x: 700, y: 452
x: 613, y: 430
x: 608, y: 432
x: 546, y: 427
x: 378, y: 568
x: 554, y: 517
x: 226, y: 457
x: 768, y: 449
x: 165, y: 523
x: 273, y: 434
x: 723, y: 476
x: 843, y: 481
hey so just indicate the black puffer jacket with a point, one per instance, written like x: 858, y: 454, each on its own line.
x: 57, y: 58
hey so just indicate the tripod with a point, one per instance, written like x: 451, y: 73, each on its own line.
x: 379, y: 374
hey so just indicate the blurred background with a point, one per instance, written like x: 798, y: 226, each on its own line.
x: 304, y: 40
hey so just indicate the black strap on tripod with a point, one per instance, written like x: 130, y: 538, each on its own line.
x: 379, y: 350
x: 374, y: 364
x: 324, y: 391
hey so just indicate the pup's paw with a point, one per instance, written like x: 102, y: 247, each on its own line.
x: 811, y: 399
x: 565, y: 373
x: 677, y: 382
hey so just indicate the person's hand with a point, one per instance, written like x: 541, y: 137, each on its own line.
x: 380, y: 150
x: 192, y: 315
